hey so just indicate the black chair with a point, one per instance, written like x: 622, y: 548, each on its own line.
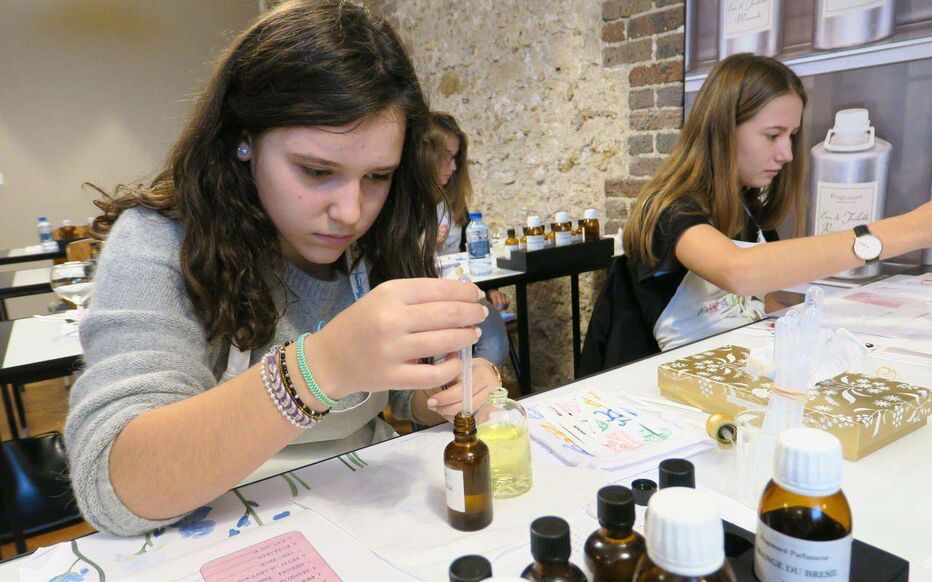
x: 35, y: 490
x: 617, y: 333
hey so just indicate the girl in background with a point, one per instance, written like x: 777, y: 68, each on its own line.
x: 693, y: 238
x: 446, y: 148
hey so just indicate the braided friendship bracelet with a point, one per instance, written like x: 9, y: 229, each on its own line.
x: 308, y: 377
x: 289, y: 386
x: 272, y: 380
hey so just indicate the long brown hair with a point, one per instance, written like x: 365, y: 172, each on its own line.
x: 458, y: 190
x: 702, y: 168
x: 327, y: 63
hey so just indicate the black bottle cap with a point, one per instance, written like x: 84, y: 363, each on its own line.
x: 616, y: 507
x: 642, y: 490
x: 470, y: 569
x: 550, y: 539
x: 511, y: 232
x: 677, y: 473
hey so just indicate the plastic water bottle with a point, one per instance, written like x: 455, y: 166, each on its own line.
x: 45, y: 235
x: 477, y: 245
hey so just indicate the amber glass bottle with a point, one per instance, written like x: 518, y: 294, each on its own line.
x: 613, y: 551
x: 468, y: 474
x: 511, y: 243
x: 685, y: 539
x: 550, y: 237
x: 550, y: 546
x: 562, y: 230
x: 804, y: 532
x: 472, y: 568
x: 534, y: 234
x: 591, y: 229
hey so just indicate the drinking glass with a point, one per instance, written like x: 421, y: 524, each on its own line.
x: 73, y: 282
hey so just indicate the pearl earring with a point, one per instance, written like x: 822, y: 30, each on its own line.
x: 243, y: 150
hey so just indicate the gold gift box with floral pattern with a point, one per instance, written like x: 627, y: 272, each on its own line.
x: 864, y: 412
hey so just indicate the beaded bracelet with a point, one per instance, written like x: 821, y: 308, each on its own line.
x: 308, y: 377
x: 286, y: 405
x: 292, y: 393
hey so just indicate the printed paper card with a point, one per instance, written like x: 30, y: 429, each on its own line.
x: 283, y: 558
x: 605, y: 431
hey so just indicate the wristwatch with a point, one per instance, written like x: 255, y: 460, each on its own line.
x: 867, y: 247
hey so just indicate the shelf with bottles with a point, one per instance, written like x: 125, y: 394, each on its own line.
x: 790, y: 38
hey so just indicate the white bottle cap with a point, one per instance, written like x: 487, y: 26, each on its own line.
x: 66, y: 222
x: 684, y: 532
x: 591, y: 214
x: 808, y: 462
x: 563, y: 217
x: 533, y: 221
x: 848, y: 121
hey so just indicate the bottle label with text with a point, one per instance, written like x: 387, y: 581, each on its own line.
x: 456, y: 489
x: 844, y: 206
x: 747, y: 16
x: 781, y: 558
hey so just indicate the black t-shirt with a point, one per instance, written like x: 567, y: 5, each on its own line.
x: 655, y: 286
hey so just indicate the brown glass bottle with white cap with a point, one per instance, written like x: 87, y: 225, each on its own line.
x: 534, y: 234
x: 685, y: 539
x: 804, y: 532
x: 590, y: 225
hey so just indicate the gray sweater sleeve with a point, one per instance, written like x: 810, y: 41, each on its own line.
x: 143, y: 349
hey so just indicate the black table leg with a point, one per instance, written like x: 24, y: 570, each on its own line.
x: 524, y: 341
x: 8, y: 408
x: 3, y: 316
x: 574, y: 289
x: 18, y: 390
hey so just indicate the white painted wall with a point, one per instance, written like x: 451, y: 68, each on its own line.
x: 95, y: 90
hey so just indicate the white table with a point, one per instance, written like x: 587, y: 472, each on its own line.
x: 22, y: 283
x: 888, y: 490
x: 33, y: 349
x: 30, y: 253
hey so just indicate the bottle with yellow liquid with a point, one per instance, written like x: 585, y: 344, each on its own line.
x: 503, y: 428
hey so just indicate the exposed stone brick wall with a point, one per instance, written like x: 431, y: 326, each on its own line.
x: 643, y: 39
x: 568, y: 104
x: 545, y: 120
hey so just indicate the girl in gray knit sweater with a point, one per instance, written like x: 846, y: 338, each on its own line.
x: 294, y: 189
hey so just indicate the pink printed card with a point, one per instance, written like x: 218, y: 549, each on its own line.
x: 285, y: 557
x: 873, y: 299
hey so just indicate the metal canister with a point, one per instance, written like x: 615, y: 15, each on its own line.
x: 927, y: 254
x: 750, y: 27
x: 845, y: 23
x: 848, y: 180
x: 689, y: 56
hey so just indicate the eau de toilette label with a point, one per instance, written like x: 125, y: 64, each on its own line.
x: 844, y: 206
x: 746, y: 16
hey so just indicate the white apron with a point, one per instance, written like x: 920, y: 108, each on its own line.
x: 699, y: 309
x: 343, y: 430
